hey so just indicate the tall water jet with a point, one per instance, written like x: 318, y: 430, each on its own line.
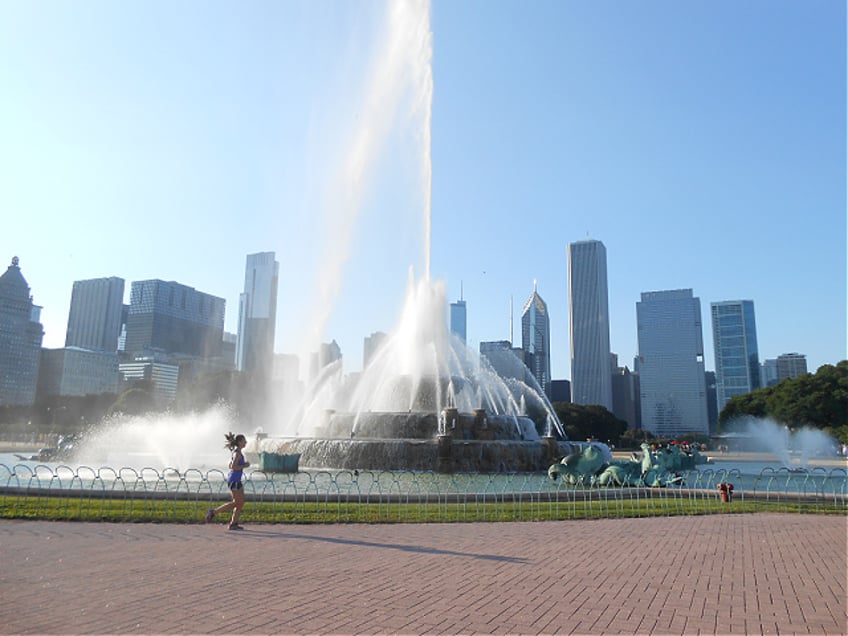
x: 424, y: 400
x: 398, y: 88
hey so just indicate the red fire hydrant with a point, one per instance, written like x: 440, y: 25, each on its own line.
x: 726, y: 491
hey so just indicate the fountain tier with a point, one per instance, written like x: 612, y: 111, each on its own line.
x: 423, y: 441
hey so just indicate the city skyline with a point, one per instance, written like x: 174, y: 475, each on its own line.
x: 704, y: 146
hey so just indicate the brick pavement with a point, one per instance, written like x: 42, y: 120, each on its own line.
x: 720, y: 574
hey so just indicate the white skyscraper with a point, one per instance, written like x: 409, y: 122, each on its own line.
x: 671, y: 363
x: 258, y: 314
x: 588, y: 324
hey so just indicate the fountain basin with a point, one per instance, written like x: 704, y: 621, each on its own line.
x: 440, y: 454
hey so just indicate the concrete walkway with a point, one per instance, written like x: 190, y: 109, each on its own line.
x: 720, y: 574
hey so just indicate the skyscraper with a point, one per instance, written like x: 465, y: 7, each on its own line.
x: 94, y: 319
x: 370, y: 345
x: 791, y: 365
x: 170, y: 318
x: 625, y: 395
x: 536, y: 340
x: 672, y: 380
x: 588, y: 324
x: 458, y: 319
x: 504, y: 359
x: 21, y: 334
x: 75, y: 371
x: 735, y: 341
x: 258, y: 314
x: 768, y: 372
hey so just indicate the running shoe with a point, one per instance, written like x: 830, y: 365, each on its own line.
x: 234, y: 527
x: 209, y: 514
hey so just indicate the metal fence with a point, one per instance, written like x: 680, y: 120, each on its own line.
x: 148, y: 494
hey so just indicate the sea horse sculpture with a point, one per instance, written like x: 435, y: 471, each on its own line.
x: 588, y: 467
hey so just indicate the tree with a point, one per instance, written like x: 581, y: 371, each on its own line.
x: 589, y: 421
x: 135, y: 401
x: 633, y: 438
x: 818, y: 400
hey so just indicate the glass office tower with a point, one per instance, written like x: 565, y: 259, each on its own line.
x: 258, y: 314
x: 735, y: 342
x: 536, y: 340
x: 672, y: 381
x: 588, y: 324
x: 94, y: 319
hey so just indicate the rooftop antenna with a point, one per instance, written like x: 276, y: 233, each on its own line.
x: 460, y: 290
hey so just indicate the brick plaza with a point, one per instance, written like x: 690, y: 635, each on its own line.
x: 718, y: 574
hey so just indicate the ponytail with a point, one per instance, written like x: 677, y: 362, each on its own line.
x: 232, y: 440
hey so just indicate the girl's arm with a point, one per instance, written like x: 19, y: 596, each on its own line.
x: 237, y: 462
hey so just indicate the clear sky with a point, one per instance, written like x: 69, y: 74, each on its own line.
x: 703, y: 142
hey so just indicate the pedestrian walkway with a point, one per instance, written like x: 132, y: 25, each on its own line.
x: 717, y: 574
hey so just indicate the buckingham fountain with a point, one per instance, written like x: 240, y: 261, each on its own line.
x: 424, y: 402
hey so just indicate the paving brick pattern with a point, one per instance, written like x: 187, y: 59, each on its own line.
x: 719, y: 574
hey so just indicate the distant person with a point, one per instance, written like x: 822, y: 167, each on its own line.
x: 237, y: 465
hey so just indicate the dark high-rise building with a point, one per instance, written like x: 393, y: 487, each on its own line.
x: 625, y: 395
x: 258, y: 315
x: 94, y: 319
x: 536, y: 340
x: 21, y: 334
x: 560, y: 391
x: 167, y: 317
x: 712, y: 408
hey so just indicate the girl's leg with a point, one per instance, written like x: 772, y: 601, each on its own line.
x: 230, y: 505
x: 225, y: 507
x: 238, y: 504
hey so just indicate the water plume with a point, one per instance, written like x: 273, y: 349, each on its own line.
x: 803, y: 444
x: 156, y: 440
x: 400, y: 81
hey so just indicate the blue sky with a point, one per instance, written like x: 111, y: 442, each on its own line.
x: 703, y: 142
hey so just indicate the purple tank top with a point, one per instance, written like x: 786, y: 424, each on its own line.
x: 235, y: 474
